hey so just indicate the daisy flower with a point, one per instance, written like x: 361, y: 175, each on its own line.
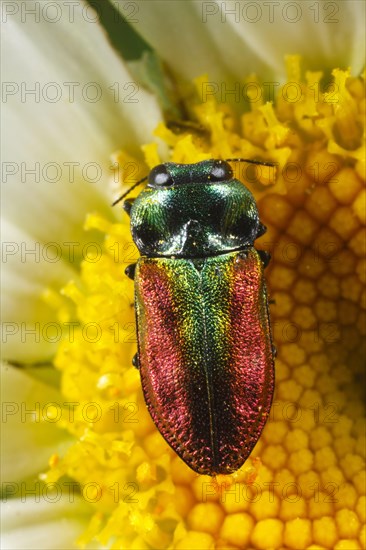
x: 276, y: 81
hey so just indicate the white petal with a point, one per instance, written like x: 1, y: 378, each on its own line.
x: 60, y: 132
x: 29, y: 434
x: 355, y: 37
x: 40, y: 524
x: 327, y: 35
x: 191, y: 44
x: 30, y: 328
x: 233, y: 39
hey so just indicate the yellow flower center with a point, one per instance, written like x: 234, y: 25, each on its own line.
x: 304, y: 485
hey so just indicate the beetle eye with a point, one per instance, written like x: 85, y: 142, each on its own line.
x: 221, y: 171
x: 160, y: 177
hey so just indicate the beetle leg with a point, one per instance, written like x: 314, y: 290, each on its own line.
x: 264, y: 256
x: 135, y: 361
x: 130, y: 271
x: 127, y: 205
x: 261, y: 230
x: 274, y: 351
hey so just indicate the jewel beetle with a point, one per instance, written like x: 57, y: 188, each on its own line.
x: 205, y: 350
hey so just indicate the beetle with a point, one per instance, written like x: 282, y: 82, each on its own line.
x: 205, y: 350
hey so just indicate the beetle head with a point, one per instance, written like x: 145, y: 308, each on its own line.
x: 193, y: 210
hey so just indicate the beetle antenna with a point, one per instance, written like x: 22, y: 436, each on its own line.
x: 251, y: 161
x: 129, y: 191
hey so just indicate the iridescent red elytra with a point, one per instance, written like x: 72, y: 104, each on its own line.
x: 205, y: 351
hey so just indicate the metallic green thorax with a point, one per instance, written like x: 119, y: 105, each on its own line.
x: 194, y: 215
